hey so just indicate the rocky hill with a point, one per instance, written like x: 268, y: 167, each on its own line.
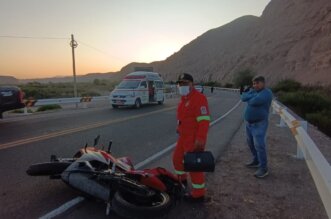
x: 292, y: 39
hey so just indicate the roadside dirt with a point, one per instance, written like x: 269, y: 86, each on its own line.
x: 233, y: 191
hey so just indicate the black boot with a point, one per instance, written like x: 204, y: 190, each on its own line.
x: 189, y: 198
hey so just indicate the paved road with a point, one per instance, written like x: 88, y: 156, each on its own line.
x: 138, y: 133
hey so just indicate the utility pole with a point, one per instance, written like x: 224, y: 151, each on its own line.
x: 73, y: 45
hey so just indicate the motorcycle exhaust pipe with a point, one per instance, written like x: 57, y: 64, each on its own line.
x: 86, y: 183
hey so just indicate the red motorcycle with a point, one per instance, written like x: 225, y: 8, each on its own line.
x: 130, y: 193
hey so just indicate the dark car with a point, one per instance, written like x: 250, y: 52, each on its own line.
x: 11, y: 97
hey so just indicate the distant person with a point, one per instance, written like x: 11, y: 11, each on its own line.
x: 193, y: 122
x: 258, y: 100
x: 212, y: 89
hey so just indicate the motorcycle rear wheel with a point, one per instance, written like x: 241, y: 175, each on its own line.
x: 47, y: 169
x: 125, y: 206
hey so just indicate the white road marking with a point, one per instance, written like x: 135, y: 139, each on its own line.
x: 159, y: 154
x: 63, y: 208
x: 226, y: 114
x: 170, y: 147
x: 154, y: 157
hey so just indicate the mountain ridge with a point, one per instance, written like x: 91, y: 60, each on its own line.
x: 291, y: 39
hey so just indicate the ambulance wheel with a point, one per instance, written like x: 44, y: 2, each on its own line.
x: 114, y: 106
x: 137, y: 104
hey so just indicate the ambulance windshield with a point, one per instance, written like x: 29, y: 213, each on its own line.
x: 129, y: 84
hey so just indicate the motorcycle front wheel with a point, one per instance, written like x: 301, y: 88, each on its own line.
x: 127, y: 206
x: 47, y: 169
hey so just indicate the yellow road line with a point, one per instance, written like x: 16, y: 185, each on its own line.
x: 78, y: 129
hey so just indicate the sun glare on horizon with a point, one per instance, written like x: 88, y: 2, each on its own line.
x: 114, y: 34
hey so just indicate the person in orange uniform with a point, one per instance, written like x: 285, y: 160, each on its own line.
x: 192, y: 126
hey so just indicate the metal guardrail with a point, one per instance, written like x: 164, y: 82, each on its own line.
x: 68, y: 100
x: 227, y: 89
x: 319, y: 167
x: 223, y: 89
x: 74, y: 100
x: 43, y: 102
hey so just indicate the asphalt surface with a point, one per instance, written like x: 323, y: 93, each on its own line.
x: 136, y: 133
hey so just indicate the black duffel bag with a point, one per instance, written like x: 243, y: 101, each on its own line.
x: 199, y: 162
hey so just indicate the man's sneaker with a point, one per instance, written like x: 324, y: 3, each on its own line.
x: 261, y: 173
x: 253, y: 164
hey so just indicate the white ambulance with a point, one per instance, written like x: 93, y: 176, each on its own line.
x: 138, y: 88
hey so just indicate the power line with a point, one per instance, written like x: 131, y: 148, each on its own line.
x: 92, y: 47
x: 99, y: 50
x: 32, y: 37
x: 60, y: 38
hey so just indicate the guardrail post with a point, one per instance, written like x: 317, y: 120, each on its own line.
x: 300, y: 154
x: 304, y: 125
x: 274, y: 111
x: 282, y: 123
x: 26, y: 111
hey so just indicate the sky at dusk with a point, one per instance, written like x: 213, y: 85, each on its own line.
x: 110, y: 33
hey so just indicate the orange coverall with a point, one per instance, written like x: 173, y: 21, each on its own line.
x: 193, y: 122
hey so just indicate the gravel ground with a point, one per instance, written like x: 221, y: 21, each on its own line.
x: 233, y: 191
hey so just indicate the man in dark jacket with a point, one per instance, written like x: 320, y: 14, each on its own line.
x: 258, y: 100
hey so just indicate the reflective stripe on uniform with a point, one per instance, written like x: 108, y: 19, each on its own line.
x: 198, y: 186
x: 178, y: 172
x: 200, y: 118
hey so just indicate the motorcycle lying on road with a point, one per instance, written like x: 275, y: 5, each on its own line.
x: 128, y: 192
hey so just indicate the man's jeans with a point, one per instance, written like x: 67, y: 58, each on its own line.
x: 256, y: 139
